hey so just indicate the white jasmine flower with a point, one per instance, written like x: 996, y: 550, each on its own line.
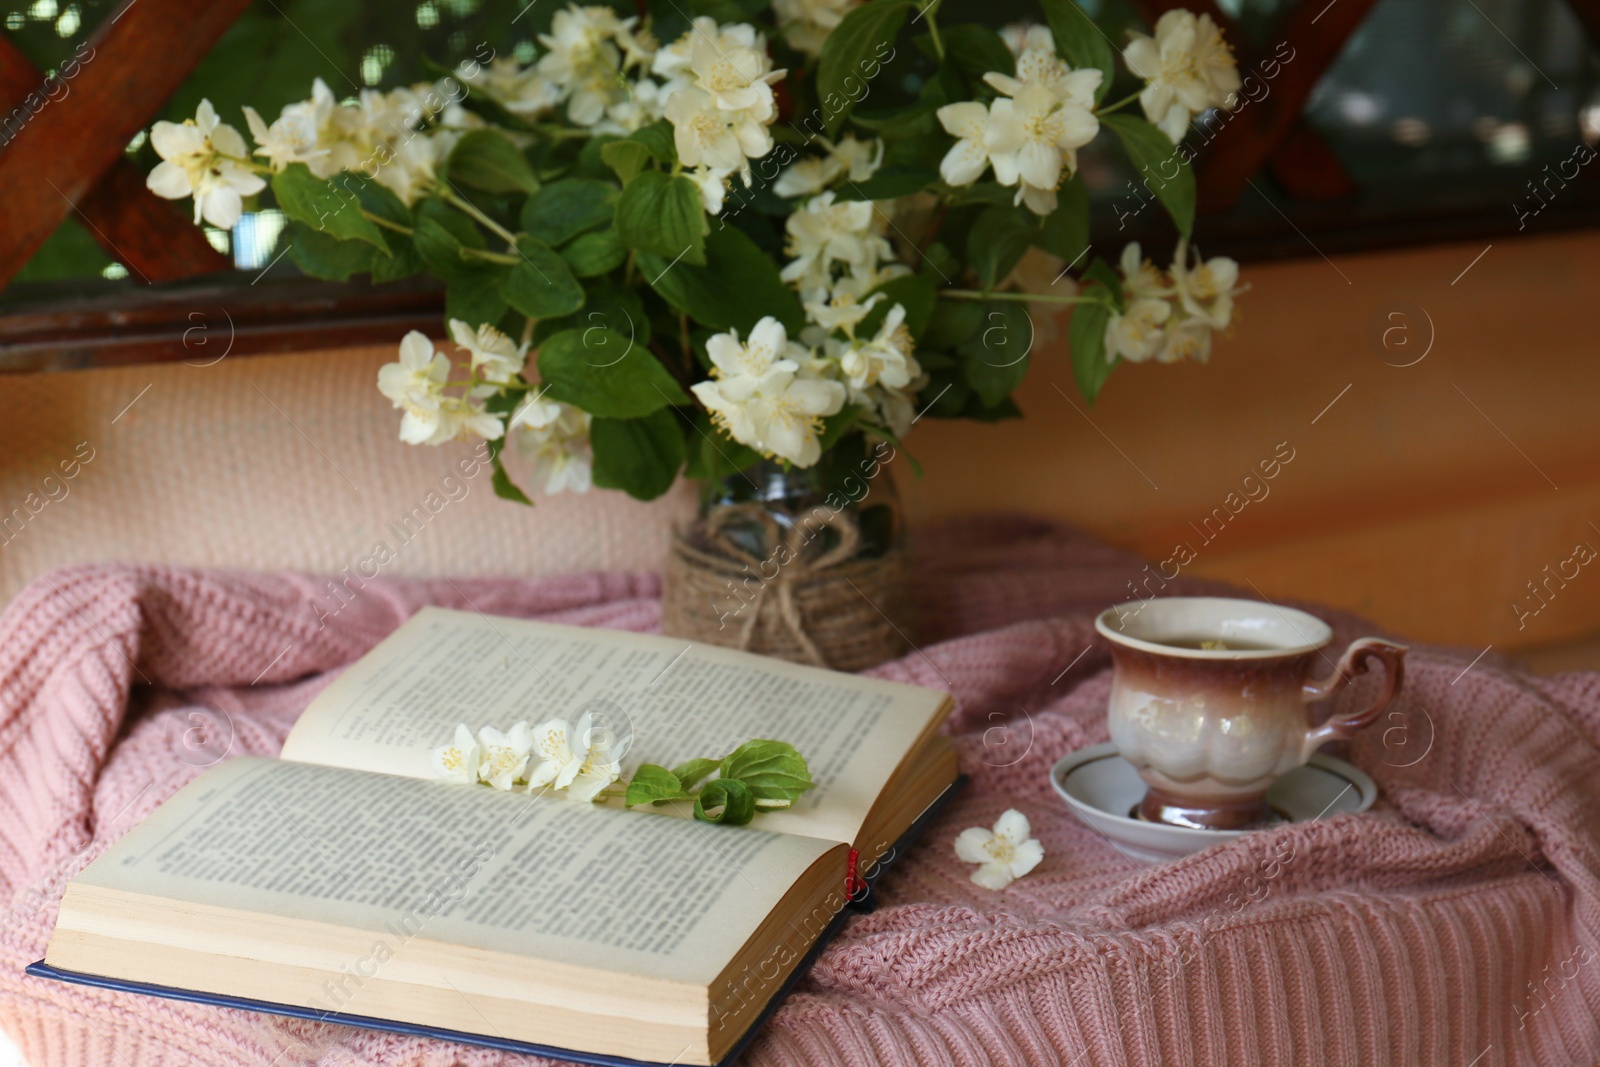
x: 768, y: 348
x: 824, y: 233
x: 408, y: 167
x: 583, y: 58
x: 850, y: 158
x: 521, y: 91
x: 713, y: 185
x: 1186, y: 338
x: 1188, y: 68
x: 1042, y: 67
x: 778, y: 414
x: 885, y: 359
x: 554, y: 438
x: 735, y: 71
x: 460, y: 418
x: 459, y: 761
x: 674, y: 63
x: 984, y: 138
x: 505, y: 755
x: 645, y: 103
x: 291, y: 139
x: 577, y: 759
x: 1005, y: 853
x: 206, y: 159
x: 495, y: 357
x: 807, y: 23
x: 1205, y: 290
x: 897, y: 408
x: 707, y: 135
x: 758, y: 397
x: 1023, y: 37
x: 1047, y: 129
x: 1140, y: 277
x: 415, y: 384
x: 1139, y: 331
x: 839, y: 310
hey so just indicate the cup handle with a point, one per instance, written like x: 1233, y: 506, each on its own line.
x: 1354, y: 662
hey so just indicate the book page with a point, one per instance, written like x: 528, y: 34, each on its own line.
x: 543, y: 877
x: 678, y: 698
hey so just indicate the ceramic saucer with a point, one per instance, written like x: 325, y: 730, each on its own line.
x: 1104, y: 791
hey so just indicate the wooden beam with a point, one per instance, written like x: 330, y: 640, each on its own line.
x: 142, y: 53
x: 1317, y: 33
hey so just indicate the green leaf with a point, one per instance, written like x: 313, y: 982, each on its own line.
x: 639, y: 456
x: 914, y: 292
x: 487, y: 160
x: 952, y: 322
x: 854, y: 53
x: 651, y: 784
x: 475, y: 298
x: 659, y: 138
x: 975, y: 50
x: 1065, y: 231
x: 735, y: 289
x: 997, y: 240
x: 606, y: 374
x: 439, y: 236
x: 1086, y: 334
x: 541, y: 286
x: 1100, y: 271
x: 772, y: 770
x: 724, y: 801
x: 323, y: 256
x: 661, y: 215
x: 1160, y: 165
x: 889, y: 183
x: 562, y: 210
x: 616, y: 308
x: 627, y: 158
x: 691, y: 771
x: 402, y: 261
x: 996, y: 359
x: 596, y: 253
x: 326, y: 206
x: 1079, y: 41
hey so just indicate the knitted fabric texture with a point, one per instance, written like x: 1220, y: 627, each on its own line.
x: 1454, y: 923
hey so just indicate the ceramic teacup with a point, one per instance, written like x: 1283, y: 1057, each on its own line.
x: 1210, y: 700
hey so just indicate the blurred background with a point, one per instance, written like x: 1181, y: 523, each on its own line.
x: 1408, y: 190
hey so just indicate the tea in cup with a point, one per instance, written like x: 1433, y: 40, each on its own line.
x: 1211, y: 700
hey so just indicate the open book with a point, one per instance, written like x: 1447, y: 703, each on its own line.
x: 343, y: 880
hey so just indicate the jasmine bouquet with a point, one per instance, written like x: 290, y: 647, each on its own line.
x: 676, y: 242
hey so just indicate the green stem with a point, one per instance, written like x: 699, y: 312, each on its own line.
x: 1119, y: 105
x: 491, y: 257
x: 1026, y: 298
x: 379, y: 220
x: 463, y: 204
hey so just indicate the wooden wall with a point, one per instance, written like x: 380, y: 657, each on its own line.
x: 1442, y: 479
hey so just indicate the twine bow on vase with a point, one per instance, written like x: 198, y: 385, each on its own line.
x: 797, y: 598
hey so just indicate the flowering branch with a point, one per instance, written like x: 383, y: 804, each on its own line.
x: 583, y: 763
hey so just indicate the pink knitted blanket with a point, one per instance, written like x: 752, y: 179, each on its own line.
x: 1456, y: 923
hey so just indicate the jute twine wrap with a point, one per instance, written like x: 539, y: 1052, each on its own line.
x: 800, y: 603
